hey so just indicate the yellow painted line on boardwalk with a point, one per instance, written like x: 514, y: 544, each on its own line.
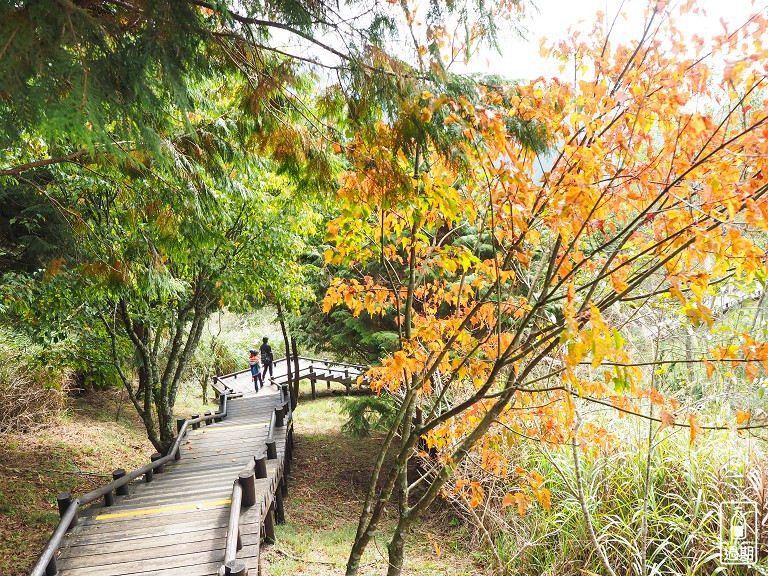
x: 162, y: 509
x: 210, y: 429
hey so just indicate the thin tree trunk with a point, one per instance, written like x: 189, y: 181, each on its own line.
x: 371, y: 513
x: 396, y: 547
x: 295, y: 391
x: 288, y: 370
x: 585, y: 509
x: 281, y: 318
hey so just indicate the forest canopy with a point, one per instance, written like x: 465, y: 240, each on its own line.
x: 511, y: 257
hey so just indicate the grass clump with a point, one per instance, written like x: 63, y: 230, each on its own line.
x: 654, y: 511
x: 32, y: 389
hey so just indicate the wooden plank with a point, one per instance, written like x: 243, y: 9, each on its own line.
x: 94, y: 536
x: 140, y: 542
x: 154, y: 565
x: 153, y: 520
x: 148, y: 554
x: 209, y: 569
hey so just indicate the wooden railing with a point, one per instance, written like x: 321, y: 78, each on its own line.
x: 319, y: 369
x: 68, y: 506
x: 244, y: 488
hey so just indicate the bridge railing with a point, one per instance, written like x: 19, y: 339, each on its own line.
x: 319, y: 369
x: 244, y: 488
x: 68, y: 506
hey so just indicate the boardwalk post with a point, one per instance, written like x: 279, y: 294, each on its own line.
x: 208, y: 420
x: 109, y: 499
x: 149, y: 475
x: 51, y: 569
x: 271, y: 450
x: 221, y: 396
x: 154, y: 458
x: 346, y: 379
x: 269, y: 525
x: 248, y: 484
x: 64, y: 500
x: 217, y: 415
x: 120, y: 490
x: 279, y: 508
x: 287, y: 458
x: 179, y: 425
x: 260, y: 470
x: 196, y: 425
x: 295, y: 391
x: 235, y: 568
x: 312, y: 380
x: 279, y: 417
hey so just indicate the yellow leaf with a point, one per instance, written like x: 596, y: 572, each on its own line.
x: 693, y: 421
x: 667, y: 419
x: 522, y: 503
x: 742, y: 417
x: 545, y: 498
x: 751, y: 371
x: 426, y: 115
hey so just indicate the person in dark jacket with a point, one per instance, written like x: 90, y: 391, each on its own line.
x: 266, y: 359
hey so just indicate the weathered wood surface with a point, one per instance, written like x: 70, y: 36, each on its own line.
x: 177, y: 523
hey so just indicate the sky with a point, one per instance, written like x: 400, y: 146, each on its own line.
x: 520, y: 59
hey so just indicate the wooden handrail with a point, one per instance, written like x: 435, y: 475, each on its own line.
x: 233, y: 529
x: 335, y: 363
x: 238, y: 372
x: 243, y: 492
x: 46, y: 563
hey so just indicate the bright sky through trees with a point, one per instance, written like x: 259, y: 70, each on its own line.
x: 520, y: 58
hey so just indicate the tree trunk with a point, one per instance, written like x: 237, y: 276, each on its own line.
x: 396, y: 547
x: 288, y: 369
x: 371, y: 514
x: 281, y: 318
x: 295, y: 387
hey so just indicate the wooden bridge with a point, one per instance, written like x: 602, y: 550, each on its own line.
x: 204, y: 508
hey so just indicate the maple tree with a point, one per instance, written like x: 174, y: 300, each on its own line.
x: 505, y: 264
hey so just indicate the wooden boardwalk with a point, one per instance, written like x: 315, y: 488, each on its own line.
x: 177, y: 523
x: 204, y: 508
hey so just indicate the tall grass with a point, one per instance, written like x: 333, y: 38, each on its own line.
x: 32, y: 384
x: 656, y: 515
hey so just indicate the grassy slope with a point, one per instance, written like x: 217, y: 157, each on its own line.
x: 331, y: 473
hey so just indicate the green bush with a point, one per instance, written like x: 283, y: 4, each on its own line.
x: 32, y: 384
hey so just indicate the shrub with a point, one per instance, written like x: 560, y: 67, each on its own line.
x: 32, y: 390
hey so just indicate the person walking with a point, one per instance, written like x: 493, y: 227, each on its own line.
x: 266, y: 359
x: 253, y: 360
